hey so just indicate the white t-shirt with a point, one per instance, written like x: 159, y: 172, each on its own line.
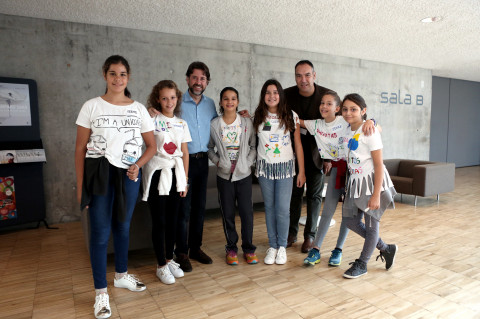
x: 358, y: 148
x: 116, y: 130
x: 170, y: 133
x: 327, y: 136
x: 275, y: 156
x: 230, y: 134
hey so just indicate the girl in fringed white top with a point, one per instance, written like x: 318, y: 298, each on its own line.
x: 369, y: 190
x: 274, y: 123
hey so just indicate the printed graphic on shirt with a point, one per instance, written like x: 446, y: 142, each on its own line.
x: 124, y: 124
x: 343, y: 142
x: 170, y: 147
x: 332, y: 151
x: 232, y: 152
x: 325, y: 134
x: 170, y: 133
x: 131, y: 149
x: 118, y: 122
x: 267, y: 148
x: 99, y: 145
x: 275, y: 157
x: 353, y: 143
x: 273, y: 138
x: 276, y: 151
x: 162, y: 125
x: 116, y: 131
x: 328, y: 136
x: 277, y: 143
x: 230, y: 135
x: 354, y: 162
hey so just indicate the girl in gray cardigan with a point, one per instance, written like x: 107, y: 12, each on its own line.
x: 235, y: 142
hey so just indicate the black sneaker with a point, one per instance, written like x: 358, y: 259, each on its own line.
x: 359, y: 268
x: 184, y: 262
x: 388, y: 256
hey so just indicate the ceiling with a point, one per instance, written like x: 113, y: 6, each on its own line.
x: 378, y: 30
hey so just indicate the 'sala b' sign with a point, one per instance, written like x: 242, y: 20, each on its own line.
x: 397, y: 98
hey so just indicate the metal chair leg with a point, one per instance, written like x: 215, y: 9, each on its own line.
x: 438, y: 197
x: 415, y: 200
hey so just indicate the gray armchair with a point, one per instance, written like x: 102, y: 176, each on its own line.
x: 421, y: 178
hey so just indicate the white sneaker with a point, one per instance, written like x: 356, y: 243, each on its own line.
x: 281, y: 258
x: 270, y: 257
x: 175, y: 269
x: 102, y: 306
x: 130, y: 282
x: 165, y: 275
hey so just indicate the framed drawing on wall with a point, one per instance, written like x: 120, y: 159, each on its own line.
x: 15, y: 104
x: 18, y: 110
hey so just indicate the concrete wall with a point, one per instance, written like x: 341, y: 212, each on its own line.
x: 66, y: 58
x: 455, y: 115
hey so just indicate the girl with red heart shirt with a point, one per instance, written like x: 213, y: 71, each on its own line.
x: 164, y: 178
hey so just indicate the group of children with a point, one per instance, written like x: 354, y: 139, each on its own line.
x: 350, y: 147
x: 108, y: 172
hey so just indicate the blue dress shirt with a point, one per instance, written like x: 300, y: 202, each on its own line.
x: 198, y: 118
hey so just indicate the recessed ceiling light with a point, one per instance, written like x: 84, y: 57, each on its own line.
x: 431, y: 19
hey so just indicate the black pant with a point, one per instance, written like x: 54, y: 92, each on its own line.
x: 192, y: 212
x: 240, y: 192
x: 164, y: 210
x: 314, y: 185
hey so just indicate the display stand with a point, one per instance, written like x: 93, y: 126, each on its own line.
x: 22, y: 155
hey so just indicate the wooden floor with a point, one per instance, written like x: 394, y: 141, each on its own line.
x: 46, y: 273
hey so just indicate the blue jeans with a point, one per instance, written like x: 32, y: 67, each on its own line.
x: 276, y: 196
x: 102, y: 221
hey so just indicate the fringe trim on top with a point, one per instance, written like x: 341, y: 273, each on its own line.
x: 276, y: 170
x: 355, y: 184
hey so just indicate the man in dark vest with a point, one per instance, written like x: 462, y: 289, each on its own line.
x: 304, y: 99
